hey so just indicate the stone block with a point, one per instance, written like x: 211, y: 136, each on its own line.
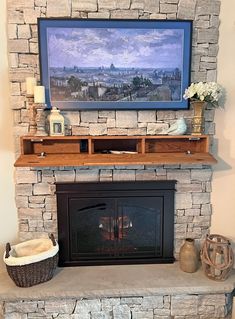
x: 184, y: 305
x: 21, y: 306
x: 71, y: 118
x: 30, y: 213
x: 116, y: 131
x: 201, y: 175
x: 202, y: 221
x: 183, y: 200
x: 182, y: 176
x: 107, y: 113
x: 13, y: 60
x: 131, y: 301
x: 201, y: 198
x: 21, y: 201
x: 33, y: 47
x: 18, y: 46
x: 101, y: 315
x: 25, y: 176
x: 28, y: 59
x: 124, y: 14
x: 40, y: 3
x: 211, y: 75
x: 146, y: 175
x: 208, y: 7
x: 60, y: 306
x: 41, y: 189
x: 166, y: 115
x: 24, y: 189
x: 17, y: 102
x: 12, y: 31
x: 206, y: 209
x: 107, y: 304
x: 31, y: 15
x: 89, y: 175
x: 158, y: 16
x: 59, y: 8
x: 186, y: 9
x: 111, y: 123
x: 123, y: 4
x: 142, y: 314
x: 107, y: 4
x: 121, y: 312
x: 15, y: 17
x: 78, y: 130
x: 192, y: 212
x: 126, y: 119
x: 137, y: 4
x: 147, y: 116
x: 212, y: 300
x: 151, y: 6
x: 86, y: 306
x: 150, y: 302
x: 65, y: 176
x: 97, y: 129
x: 20, y: 74
x: 82, y: 5
x: 24, y: 31
x: 136, y: 131
x: 168, y: 8
x: 99, y: 15
x: 156, y: 128
x: 210, y: 35
x: 89, y: 116
x: 124, y: 175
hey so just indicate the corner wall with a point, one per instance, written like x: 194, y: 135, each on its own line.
x: 8, y: 216
x: 223, y: 194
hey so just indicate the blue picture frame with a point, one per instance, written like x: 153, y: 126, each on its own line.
x: 115, y: 64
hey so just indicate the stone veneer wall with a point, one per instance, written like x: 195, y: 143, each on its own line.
x: 35, y: 198
x: 216, y: 306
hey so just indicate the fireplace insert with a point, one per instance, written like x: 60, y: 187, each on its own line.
x: 115, y: 222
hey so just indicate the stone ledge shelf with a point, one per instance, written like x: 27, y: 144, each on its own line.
x: 119, y: 292
x: 117, y: 281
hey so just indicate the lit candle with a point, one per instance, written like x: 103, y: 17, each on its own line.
x: 39, y: 94
x: 30, y: 84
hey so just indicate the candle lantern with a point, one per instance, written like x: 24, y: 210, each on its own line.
x: 55, y: 122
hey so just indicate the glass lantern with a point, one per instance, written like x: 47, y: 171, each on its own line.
x: 55, y: 122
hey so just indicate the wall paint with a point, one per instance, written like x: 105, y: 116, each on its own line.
x: 223, y: 196
x: 223, y: 192
x: 8, y: 215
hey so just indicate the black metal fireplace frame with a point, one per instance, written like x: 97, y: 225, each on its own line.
x: 68, y: 190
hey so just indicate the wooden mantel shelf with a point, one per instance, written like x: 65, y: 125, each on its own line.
x: 37, y: 151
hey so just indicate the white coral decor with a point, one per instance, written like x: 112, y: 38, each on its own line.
x: 209, y: 92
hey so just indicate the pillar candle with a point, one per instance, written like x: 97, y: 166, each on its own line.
x: 39, y: 94
x: 30, y: 84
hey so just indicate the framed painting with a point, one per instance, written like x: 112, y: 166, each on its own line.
x: 115, y: 64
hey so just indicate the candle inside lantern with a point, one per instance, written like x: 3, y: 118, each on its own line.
x: 39, y: 94
x: 30, y: 84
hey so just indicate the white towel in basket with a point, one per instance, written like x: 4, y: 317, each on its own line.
x: 31, y: 251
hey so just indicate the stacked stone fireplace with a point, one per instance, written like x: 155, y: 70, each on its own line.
x: 35, y: 187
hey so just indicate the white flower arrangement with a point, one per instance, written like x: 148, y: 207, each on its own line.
x: 209, y: 92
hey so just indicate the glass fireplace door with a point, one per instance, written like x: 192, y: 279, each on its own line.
x: 104, y: 228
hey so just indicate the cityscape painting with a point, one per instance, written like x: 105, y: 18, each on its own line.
x: 115, y: 64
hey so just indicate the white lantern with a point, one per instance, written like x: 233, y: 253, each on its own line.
x: 55, y: 123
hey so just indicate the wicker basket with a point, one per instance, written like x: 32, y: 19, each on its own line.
x: 217, y: 257
x: 34, y: 273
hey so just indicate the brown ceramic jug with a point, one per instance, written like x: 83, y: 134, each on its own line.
x: 189, y: 256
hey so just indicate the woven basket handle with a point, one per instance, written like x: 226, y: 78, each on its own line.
x: 52, y: 238
x: 8, y: 248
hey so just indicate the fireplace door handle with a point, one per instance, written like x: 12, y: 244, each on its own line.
x: 115, y: 229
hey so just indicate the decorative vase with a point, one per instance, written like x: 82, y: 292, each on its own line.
x: 198, y: 117
x: 189, y: 256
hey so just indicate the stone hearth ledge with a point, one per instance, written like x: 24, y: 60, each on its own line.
x: 116, y: 281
